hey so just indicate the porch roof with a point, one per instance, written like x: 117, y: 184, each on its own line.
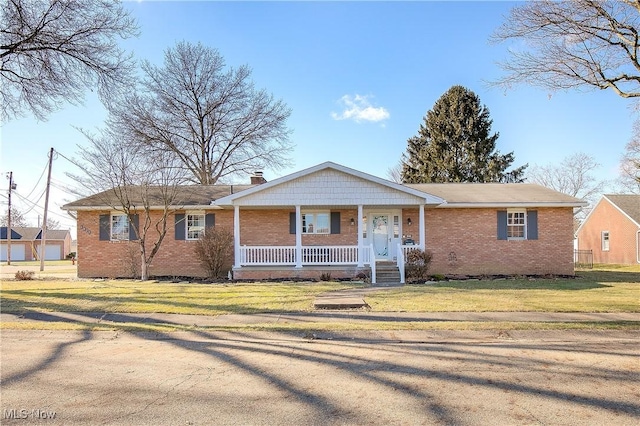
x: 329, y: 184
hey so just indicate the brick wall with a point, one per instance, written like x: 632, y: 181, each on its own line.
x: 176, y: 258
x: 122, y: 258
x: 464, y: 241
x: 306, y: 273
x: 271, y: 227
x: 622, y: 235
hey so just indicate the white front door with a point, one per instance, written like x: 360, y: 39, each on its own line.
x: 380, y: 228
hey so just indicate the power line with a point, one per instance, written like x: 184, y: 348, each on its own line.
x: 34, y: 204
x: 39, y: 179
x: 38, y: 209
x: 69, y: 160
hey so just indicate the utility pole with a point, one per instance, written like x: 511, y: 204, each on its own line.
x: 43, y: 238
x: 12, y: 186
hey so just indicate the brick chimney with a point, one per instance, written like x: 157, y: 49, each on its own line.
x: 257, y: 179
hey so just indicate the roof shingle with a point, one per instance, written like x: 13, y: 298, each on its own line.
x: 628, y: 203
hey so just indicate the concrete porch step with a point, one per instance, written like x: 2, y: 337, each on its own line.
x: 387, y: 274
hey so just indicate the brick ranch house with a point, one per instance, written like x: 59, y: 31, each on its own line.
x: 337, y: 220
x: 612, y: 230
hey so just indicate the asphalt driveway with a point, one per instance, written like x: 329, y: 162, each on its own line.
x: 384, y: 377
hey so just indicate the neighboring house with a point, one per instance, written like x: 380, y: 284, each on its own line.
x: 333, y: 219
x: 25, y: 243
x: 612, y: 230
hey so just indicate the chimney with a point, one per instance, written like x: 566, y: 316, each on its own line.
x: 257, y: 179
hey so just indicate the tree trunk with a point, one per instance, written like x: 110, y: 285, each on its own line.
x: 144, y: 267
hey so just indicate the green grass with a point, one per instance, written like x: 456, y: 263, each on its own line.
x: 602, y: 289
x: 510, y: 296
x: 151, y: 296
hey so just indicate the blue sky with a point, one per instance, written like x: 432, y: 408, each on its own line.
x: 359, y: 78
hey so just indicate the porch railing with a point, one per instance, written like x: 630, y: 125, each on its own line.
x: 400, y: 261
x: 329, y: 255
x: 404, y: 249
x: 267, y: 255
x: 311, y: 255
x: 372, y: 261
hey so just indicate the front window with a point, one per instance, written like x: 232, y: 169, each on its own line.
x: 396, y: 226
x: 605, y: 240
x: 315, y: 223
x: 364, y: 227
x: 516, y: 224
x: 119, y: 227
x: 195, y: 226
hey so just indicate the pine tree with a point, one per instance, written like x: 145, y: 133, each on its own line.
x: 455, y: 144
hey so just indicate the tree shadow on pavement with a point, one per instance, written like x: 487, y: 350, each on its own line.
x: 412, y: 370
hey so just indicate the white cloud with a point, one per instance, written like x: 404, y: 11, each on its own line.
x: 358, y: 108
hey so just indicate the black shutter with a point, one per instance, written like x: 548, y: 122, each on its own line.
x: 292, y: 222
x: 105, y: 227
x: 502, y: 225
x: 210, y: 220
x: 133, y: 226
x: 180, y: 227
x: 335, y: 222
x: 532, y: 225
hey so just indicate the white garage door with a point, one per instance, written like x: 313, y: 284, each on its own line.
x: 50, y: 252
x: 17, y: 252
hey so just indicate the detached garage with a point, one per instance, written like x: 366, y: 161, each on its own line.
x: 17, y: 251
x: 25, y: 243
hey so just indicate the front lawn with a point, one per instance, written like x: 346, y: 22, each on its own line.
x: 599, y: 290
x: 151, y: 296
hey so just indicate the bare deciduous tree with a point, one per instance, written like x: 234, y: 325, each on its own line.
x: 574, y: 176
x: 17, y: 218
x: 394, y: 174
x: 51, y: 51
x: 52, y: 223
x: 141, y: 184
x: 212, y: 119
x: 629, y: 179
x: 573, y: 44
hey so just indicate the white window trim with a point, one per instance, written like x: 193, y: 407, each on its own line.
x: 118, y: 213
x: 316, y: 213
x: 511, y: 211
x: 186, y: 223
x: 602, y: 240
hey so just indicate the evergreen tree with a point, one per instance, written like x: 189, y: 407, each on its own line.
x: 455, y: 144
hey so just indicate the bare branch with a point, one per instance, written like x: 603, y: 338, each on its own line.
x: 574, y: 176
x: 52, y: 51
x: 136, y: 182
x: 210, y: 118
x: 573, y: 44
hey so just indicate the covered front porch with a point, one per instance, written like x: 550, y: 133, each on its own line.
x: 326, y: 218
x: 382, y: 234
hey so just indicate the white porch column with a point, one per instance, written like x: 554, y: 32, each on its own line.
x: 421, y: 228
x: 360, y: 239
x: 236, y: 236
x: 298, y: 237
